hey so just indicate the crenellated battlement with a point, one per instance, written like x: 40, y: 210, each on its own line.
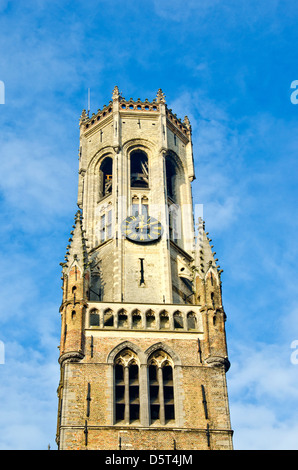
x: 138, y: 107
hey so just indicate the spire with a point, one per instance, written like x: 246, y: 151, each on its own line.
x: 83, y: 116
x: 77, y: 250
x: 204, y: 256
x: 160, y: 97
x: 186, y: 122
x: 116, y: 94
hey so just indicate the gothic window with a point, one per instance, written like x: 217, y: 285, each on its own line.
x: 122, y: 319
x: 178, y: 320
x: 94, y: 318
x: 108, y: 318
x: 106, y: 179
x: 171, y: 179
x: 164, y: 320
x: 139, y: 174
x: 150, y: 319
x: 136, y: 319
x: 161, y: 388
x: 191, y: 321
x: 127, y: 389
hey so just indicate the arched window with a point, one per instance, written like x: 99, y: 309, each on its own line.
x: 122, y: 319
x: 139, y: 173
x: 94, y: 318
x: 171, y: 179
x: 191, y: 321
x: 106, y: 177
x: 161, y: 388
x: 127, y: 388
x: 164, y: 320
x: 108, y: 318
x: 136, y: 319
x: 150, y: 319
x: 178, y: 320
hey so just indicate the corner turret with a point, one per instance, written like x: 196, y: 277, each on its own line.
x: 76, y: 277
x: 207, y: 281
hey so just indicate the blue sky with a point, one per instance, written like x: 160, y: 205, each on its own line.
x: 228, y: 65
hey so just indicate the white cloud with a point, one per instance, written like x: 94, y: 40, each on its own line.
x: 263, y: 391
x: 29, y: 383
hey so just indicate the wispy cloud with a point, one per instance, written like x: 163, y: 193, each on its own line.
x: 263, y: 386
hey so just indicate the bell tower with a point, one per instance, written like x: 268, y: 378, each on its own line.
x: 143, y: 354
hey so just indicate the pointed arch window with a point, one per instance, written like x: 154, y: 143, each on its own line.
x: 150, y: 319
x: 171, y: 178
x: 192, y: 321
x: 139, y: 172
x: 108, y: 318
x: 136, y: 319
x: 178, y: 320
x: 106, y: 177
x: 127, y: 388
x: 94, y: 319
x: 161, y: 388
x: 164, y: 320
x: 122, y: 319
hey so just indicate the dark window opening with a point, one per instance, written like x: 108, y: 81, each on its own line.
x: 153, y: 374
x: 167, y: 375
x: 120, y: 412
x: 120, y: 394
x: 119, y: 375
x: 134, y: 393
x: 134, y: 412
x: 169, y: 412
x: 154, y: 413
x: 108, y: 319
x: 164, y: 321
x: 191, y: 321
x: 161, y: 404
x: 122, y: 320
x: 170, y: 177
x: 136, y: 320
x: 168, y: 391
x: 134, y: 374
x: 106, y: 172
x: 150, y: 320
x: 94, y: 319
x: 127, y: 393
x: 139, y: 173
x: 178, y: 321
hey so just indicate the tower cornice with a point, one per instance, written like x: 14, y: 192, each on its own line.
x: 137, y: 108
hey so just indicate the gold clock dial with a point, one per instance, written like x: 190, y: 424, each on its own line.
x: 141, y: 229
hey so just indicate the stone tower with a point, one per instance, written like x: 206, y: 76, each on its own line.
x: 143, y: 354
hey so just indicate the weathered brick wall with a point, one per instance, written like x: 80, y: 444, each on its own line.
x: 189, y: 378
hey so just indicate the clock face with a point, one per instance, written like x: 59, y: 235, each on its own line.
x: 141, y: 229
